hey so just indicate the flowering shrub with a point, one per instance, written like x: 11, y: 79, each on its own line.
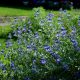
x: 45, y: 46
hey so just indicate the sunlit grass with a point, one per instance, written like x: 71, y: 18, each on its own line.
x: 4, y: 30
x: 2, y: 43
x: 5, y: 11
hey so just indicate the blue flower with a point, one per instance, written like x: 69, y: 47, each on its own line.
x: 78, y: 49
x: 36, y: 35
x: 29, y: 46
x: 73, y: 32
x: 4, y: 70
x: 19, y: 32
x: 27, y: 78
x: 47, y: 48
x: 65, y: 11
x: 19, y: 41
x: 29, y: 31
x: 50, y: 15
x: 56, y: 46
x: 12, y: 65
x: 58, y: 35
x: 59, y: 18
x: 2, y: 51
x: 55, y: 55
x: 29, y: 22
x: 57, y: 40
x: 41, y: 22
x: 77, y: 74
x: 1, y: 64
x: 13, y: 78
x: 8, y: 43
x: 78, y: 22
x: 34, y: 60
x: 43, y: 61
x: 75, y: 43
x: 65, y: 66
x: 36, y: 14
x: 49, y: 20
x: 24, y: 29
x: 58, y: 60
x: 24, y: 41
x: 34, y: 68
x: 15, y: 33
x: 62, y: 28
x: 63, y: 31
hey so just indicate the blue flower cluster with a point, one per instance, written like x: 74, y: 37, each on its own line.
x: 41, y: 45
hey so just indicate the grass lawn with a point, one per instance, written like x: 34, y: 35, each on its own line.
x: 6, y: 11
x: 4, y: 30
x: 2, y: 43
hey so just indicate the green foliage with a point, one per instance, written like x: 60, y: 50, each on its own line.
x: 4, y: 30
x: 45, y: 45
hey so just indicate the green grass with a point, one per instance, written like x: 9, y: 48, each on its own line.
x: 6, y: 11
x: 2, y: 43
x: 4, y: 30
